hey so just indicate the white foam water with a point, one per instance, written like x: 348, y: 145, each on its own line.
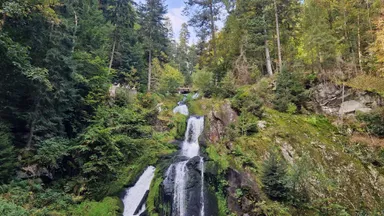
x: 135, y: 194
x: 195, y: 127
x: 190, y: 148
x: 182, y: 109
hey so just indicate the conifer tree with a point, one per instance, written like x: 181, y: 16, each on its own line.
x: 153, y: 32
x: 275, y: 177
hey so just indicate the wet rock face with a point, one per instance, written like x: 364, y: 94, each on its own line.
x: 218, y: 120
x: 243, y: 204
x: 193, y: 191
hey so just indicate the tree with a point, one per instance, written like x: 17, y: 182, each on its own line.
x: 170, y: 80
x: 7, y: 155
x: 289, y: 91
x: 184, y: 64
x: 274, y: 177
x: 153, y: 32
x: 377, y: 46
x: 205, y: 14
x: 278, y: 35
x: 253, y: 17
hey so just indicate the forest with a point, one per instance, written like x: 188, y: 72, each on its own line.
x: 87, y: 89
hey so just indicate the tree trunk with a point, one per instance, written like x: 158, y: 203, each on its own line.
x: 267, y: 55
x: 213, y: 29
x: 359, y: 44
x: 149, y: 69
x: 75, y: 31
x: 112, y: 56
x: 278, y: 37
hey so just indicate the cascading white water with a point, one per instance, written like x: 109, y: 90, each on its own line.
x: 190, y: 148
x: 182, y: 109
x: 135, y: 194
x: 195, y: 127
x: 179, y: 189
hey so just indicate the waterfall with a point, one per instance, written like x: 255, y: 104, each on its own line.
x: 190, y: 148
x: 133, y: 199
x: 195, y: 127
x: 182, y: 109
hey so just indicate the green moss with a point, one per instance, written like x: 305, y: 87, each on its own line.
x: 368, y: 83
x: 153, y: 195
x: 339, y: 174
x: 180, y: 122
x: 108, y: 207
x: 220, y: 159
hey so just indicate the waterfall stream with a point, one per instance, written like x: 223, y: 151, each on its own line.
x: 134, y: 196
x: 182, y: 174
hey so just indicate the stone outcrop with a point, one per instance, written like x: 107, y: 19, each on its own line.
x: 329, y: 99
x: 219, y: 118
x: 250, y: 192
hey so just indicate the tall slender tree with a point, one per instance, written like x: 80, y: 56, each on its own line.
x: 153, y: 32
x: 203, y: 15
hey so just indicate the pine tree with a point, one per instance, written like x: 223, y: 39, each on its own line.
x: 206, y: 13
x: 275, y: 177
x: 153, y: 32
x: 183, y: 61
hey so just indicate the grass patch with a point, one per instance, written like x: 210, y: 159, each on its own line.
x: 368, y: 83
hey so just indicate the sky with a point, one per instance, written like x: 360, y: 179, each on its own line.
x: 175, y: 14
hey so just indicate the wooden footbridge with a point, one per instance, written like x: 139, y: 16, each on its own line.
x: 184, y: 90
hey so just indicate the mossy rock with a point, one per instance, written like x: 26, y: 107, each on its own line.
x: 180, y: 123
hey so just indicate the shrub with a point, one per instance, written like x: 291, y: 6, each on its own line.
x: 7, y: 154
x: 202, y: 80
x: 374, y: 122
x: 247, y: 124
x: 108, y: 207
x: 227, y: 87
x: 289, y: 89
x: 180, y: 122
x: 247, y: 101
x: 170, y: 80
x: 10, y: 209
x: 51, y: 152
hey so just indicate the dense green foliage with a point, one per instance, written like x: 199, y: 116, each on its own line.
x: 88, y: 87
x: 7, y: 155
x: 290, y: 91
x: 374, y: 122
x: 275, y: 178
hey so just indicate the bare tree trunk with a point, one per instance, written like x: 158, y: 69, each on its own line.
x: 149, y: 69
x: 267, y: 55
x: 359, y: 44
x: 278, y: 36
x: 112, y: 56
x: 75, y: 31
x: 213, y: 29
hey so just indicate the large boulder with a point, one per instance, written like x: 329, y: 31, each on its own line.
x: 350, y: 106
